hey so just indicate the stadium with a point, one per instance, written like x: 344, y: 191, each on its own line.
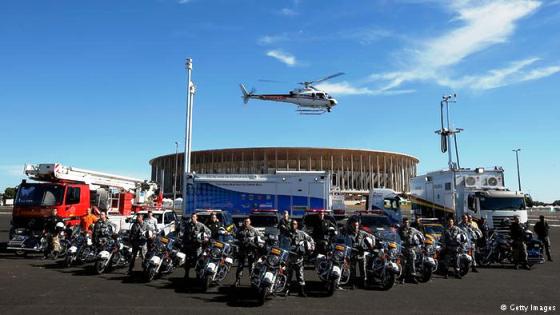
x: 355, y: 171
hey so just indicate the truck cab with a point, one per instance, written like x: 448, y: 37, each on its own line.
x: 37, y: 200
x: 496, y: 206
x: 387, y: 201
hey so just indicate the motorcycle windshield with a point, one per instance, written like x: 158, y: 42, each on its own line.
x: 344, y: 239
x: 387, y: 236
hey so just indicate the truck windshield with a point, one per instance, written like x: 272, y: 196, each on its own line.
x: 491, y: 203
x: 39, y: 195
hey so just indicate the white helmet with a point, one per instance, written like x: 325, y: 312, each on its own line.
x: 60, y: 225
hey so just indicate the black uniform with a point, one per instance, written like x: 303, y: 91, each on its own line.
x: 361, y: 242
x: 321, y: 235
x: 297, y: 260
x: 248, y: 245
x: 517, y: 234
x: 542, y: 229
x: 410, y: 238
x: 138, y: 242
x: 451, y: 245
x: 215, y: 229
x: 192, y: 243
x: 102, y: 230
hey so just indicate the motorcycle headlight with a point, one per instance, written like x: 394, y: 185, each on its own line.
x: 338, y: 256
x: 273, y: 260
x: 216, y: 252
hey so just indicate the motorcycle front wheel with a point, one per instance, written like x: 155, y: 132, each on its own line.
x: 465, y: 266
x: 331, y: 287
x: 68, y: 260
x: 261, y: 296
x: 21, y: 253
x: 100, y: 266
x: 426, y: 274
x: 388, y: 281
x: 204, y: 283
x: 150, y: 273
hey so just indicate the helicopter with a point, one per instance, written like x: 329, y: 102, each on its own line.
x: 309, y: 99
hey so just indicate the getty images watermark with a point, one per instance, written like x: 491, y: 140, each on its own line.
x: 528, y: 308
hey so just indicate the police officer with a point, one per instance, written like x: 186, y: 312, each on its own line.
x: 542, y: 229
x: 151, y: 223
x: 410, y: 238
x: 361, y: 242
x: 138, y: 240
x: 247, y: 237
x: 519, y: 248
x: 214, y: 225
x: 474, y: 233
x: 300, y: 244
x: 450, y: 244
x: 51, y: 231
x: 322, y: 233
x: 192, y: 241
x: 102, y: 228
x: 284, y: 230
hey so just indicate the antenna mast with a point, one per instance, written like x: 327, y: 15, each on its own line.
x: 447, y: 132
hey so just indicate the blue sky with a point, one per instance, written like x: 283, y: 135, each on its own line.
x: 101, y: 84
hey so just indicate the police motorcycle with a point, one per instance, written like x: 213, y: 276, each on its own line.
x: 426, y: 259
x: 59, y: 241
x: 535, y: 248
x: 215, y: 261
x: 80, y: 250
x: 162, y: 257
x: 497, y: 250
x: 28, y: 239
x: 465, y: 252
x: 333, y: 267
x: 113, y: 253
x: 383, y: 265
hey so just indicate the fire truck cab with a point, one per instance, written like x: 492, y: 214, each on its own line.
x: 71, y: 191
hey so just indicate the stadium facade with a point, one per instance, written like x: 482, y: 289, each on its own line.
x: 353, y: 170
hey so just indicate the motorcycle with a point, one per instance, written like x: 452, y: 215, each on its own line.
x: 426, y: 260
x: 80, y: 250
x: 26, y: 240
x: 269, y: 274
x: 535, y: 248
x: 214, y: 263
x: 383, y: 265
x: 497, y: 250
x: 162, y: 258
x: 334, y: 267
x: 113, y: 254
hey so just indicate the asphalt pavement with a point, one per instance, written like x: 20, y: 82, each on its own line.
x: 31, y: 285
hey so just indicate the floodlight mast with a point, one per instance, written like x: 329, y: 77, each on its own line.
x: 188, y: 133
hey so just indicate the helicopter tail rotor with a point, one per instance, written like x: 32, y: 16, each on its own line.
x: 246, y: 95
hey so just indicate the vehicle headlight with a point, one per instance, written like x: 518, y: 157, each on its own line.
x: 216, y: 252
x: 273, y: 260
x: 338, y: 256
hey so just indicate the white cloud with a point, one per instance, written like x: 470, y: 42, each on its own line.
x: 484, y: 24
x: 345, y: 88
x: 183, y: 1
x: 514, y: 73
x: 288, y: 12
x: 283, y: 57
x: 272, y: 39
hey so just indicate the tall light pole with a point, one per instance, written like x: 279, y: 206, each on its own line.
x: 188, y: 133
x: 175, y: 173
x: 517, y: 159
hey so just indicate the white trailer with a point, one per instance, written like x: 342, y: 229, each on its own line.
x: 241, y: 194
x: 480, y: 192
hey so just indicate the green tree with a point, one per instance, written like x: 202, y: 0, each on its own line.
x: 556, y: 203
x: 9, y: 193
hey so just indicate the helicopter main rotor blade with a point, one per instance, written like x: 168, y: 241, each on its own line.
x: 328, y: 78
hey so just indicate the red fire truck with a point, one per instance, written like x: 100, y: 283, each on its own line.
x: 72, y: 191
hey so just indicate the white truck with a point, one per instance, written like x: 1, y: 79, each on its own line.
x: 480, y: 192
x: 387, y: 201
